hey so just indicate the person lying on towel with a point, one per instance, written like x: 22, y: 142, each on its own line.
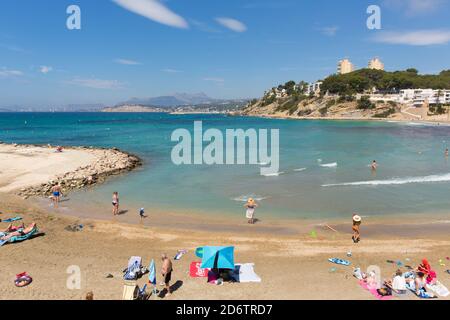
x: 19, y: 233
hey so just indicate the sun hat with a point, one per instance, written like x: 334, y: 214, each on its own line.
x: 356, y: 218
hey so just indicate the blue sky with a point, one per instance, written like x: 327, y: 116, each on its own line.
x: 225, y: 48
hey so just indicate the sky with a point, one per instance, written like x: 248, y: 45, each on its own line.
x: 224, y: 48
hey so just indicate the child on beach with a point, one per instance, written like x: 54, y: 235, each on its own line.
x: 356, y: 223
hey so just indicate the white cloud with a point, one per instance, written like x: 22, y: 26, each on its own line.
x: 168, y: 70
x: 5, y: 73
x: 96, y: 83
x: 232, y: 24
x: 154, y: 10
x: 330, y: 31
x: 216, y: 80
x: 414, y: 7
x: 45, y: 69
x: 414, y: 38
x: 127, y: 62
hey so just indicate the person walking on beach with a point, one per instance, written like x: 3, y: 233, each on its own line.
x: 251, y: 205
x: 166, y: 271
x: 56, y: 194
x: 142, y: 214
x: 356, y: 223
x: 115, y: 203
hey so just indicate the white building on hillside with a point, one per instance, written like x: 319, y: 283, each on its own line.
x: 376, y: 64
x: 314, y: 88
x: 345, y: 66
x: 419, y: 97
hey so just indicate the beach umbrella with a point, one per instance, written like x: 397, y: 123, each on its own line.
x: 218, y: 258
x: 152, y: 276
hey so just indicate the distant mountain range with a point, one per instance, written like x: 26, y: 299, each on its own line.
x: 179, y: 99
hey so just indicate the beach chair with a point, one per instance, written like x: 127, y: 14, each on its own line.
x: 130, y: 290
x: 135, y: 269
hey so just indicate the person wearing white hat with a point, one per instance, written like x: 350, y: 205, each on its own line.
x: 356, y: 223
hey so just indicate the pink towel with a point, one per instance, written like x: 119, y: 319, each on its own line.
x: 373, y: 291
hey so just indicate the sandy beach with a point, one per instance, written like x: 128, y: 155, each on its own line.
x: 291, y: 260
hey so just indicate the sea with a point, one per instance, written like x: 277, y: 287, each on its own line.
x: 324, y: 165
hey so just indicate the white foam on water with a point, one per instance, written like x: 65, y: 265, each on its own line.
x: 245, y: 198
x: 398, y: 181
x: 329, y: 165
x: 273, y: 174
x: 300, y: 170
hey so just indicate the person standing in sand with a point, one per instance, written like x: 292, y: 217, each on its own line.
x: 115, y: 203
x: 356, y: 223
x: 56, y: 194
x: 251, y: 205
x: 166, y: 271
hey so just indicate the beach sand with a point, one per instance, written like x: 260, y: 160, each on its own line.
x: 293, y: 264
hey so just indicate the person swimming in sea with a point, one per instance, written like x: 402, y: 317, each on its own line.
x: 115, y: 203
x: 356, y: 223
x: 446, y: 153
x: 251, y: 205
x: 56, y: 194
x: 374, y: 165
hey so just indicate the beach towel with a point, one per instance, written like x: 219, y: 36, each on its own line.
x: 245, y: 273
x: 373, y: 291
x: 439, y: 289
x: 340, y: 261
x: 195, y: 270
x: 20, y: 238
x: 422, y: 293
x: 12, y: 219
x: 180, y: 254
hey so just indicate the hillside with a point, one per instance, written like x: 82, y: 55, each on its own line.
x: 347, y: 97
x: 322, y: 107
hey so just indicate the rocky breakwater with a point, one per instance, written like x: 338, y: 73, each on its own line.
x: 109, y: 162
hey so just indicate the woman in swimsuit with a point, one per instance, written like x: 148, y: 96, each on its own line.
x: 115, y: 203
x: 355, y: 228
x: 251, y: 205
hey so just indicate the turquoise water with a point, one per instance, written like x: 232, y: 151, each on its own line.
x: 413, y: 175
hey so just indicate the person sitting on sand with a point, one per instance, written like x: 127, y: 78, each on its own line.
x: 424, y: 267
x: 90, y: 295
x: 59, y: 149
x: 115, y: 203
x: 398, y: 283
x: 420, y: 282
x: 251, y: 205
x: 356, y: 223
x: 56, y: 194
